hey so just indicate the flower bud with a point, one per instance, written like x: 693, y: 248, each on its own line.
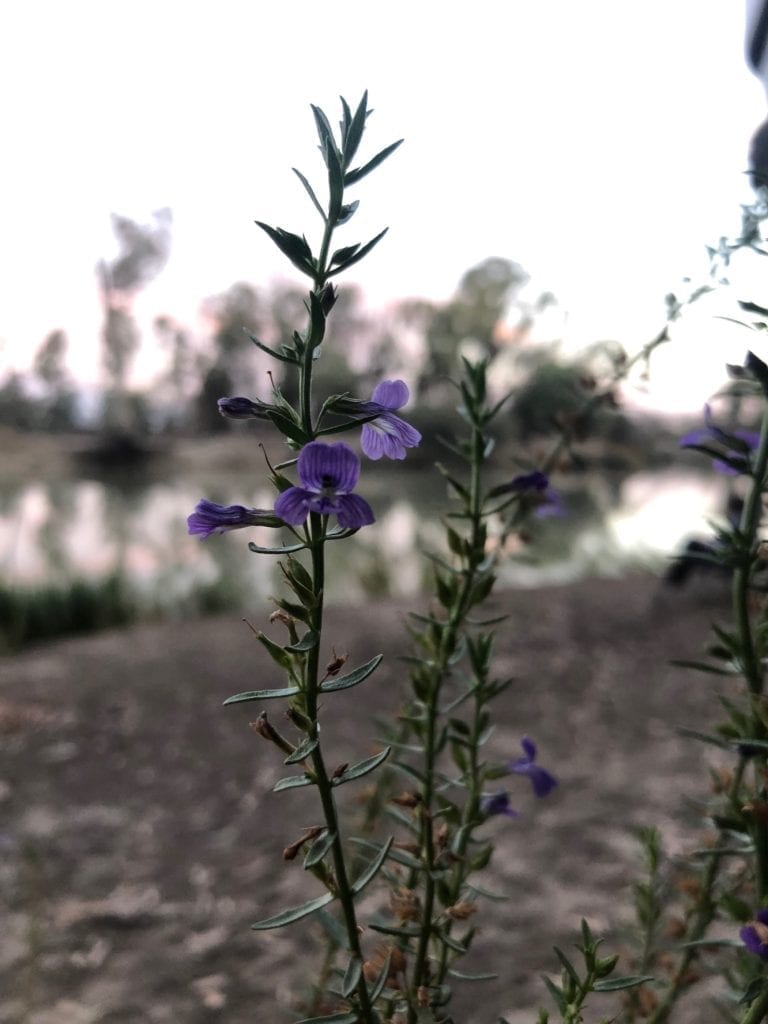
x: 242, y: 409
x: 605, y: 964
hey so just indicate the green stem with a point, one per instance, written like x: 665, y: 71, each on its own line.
x: 323, y: 782
x: 748, y: 527
x: 705, y: 912
x: 758, y: 1011
x: 448, y: 640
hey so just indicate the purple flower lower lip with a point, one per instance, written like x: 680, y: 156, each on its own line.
x: 328, y: 474
x: 388, y: 434
x: 755, y: 934
x: 498, y: 803
x: 541, y: 780
x: 209, y: 517
x: 735, y: 448
x: 547, y: 501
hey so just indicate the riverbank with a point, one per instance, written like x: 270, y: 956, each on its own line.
x: 140, y: 838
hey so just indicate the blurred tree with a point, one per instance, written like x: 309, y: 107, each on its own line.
x: 235, y: 314
x: 484, y: 295
x: 58, y: 404
x: 178, y: 382
x: 143, y: 252
x: 17, y: 408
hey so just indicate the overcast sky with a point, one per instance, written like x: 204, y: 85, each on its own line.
x: 601, y: 144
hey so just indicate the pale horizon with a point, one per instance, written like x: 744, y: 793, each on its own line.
x: 599, y: 147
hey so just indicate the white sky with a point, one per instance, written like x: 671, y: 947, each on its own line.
x: 600, y: 143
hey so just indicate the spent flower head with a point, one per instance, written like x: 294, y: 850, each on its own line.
x: 328, y: 474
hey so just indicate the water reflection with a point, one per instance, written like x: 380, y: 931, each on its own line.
x: 90, y: 529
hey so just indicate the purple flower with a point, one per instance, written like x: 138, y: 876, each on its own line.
x: 209, y: 518
x: 240, y: 408
x: 542, y: 782
x: 498, y: 803
x: 736, y: 447
x: 755, y: 934
x: 387, y: 434
x: 328, y: 474
x: 547, y: 501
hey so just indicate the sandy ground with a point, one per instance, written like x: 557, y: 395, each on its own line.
x: 139, y: 838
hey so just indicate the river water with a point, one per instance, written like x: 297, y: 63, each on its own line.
x: 91, y: 529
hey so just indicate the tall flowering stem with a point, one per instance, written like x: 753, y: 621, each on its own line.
x: 739, y: 652
x: 324, y: 492
x: 447, y: 718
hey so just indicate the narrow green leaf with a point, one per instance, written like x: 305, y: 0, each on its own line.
x: 287, y: 549
x: 324, y: 131
x: 288, y: 426
x: 346, y: 212
x: 398, y: 856
x: 401, y: 931
x: 306, y: 643
x: 310, y: 192
x: 293, y: 246
x: 286, y: 357
x: 292, y: 782
x: 373, y: 868
x: 298, y: 575
x: 302, y: 752
x: 242, y: 698
x: 617, y: 984
x: 294, y: 914
x: 357, y: 771
x: 702, y: 666
x: 345, y: 253
x: 472, y: 976
x: 318, y: 849
x: 276, y: 651
x: 352, y: 678
x: 480, y: 891
x: 360, y: 254
x: 352, y: 976
x: 353, y: 128
x: 556, y: 992
x: 732, y: 943
x: 450, y: 942
x: 758, y: 369
x: 694, y: 734
x: 360, y: 172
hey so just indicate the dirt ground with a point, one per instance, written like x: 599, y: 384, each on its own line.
x: 139, y: 837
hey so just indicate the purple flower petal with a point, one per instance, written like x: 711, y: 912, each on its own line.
x: 328, y: 473
x: 239, y: 408
x: 737, y: 446
x: 533, y: 481
x: 541, y: 780
x: 328, y: 468
x: 210, y: 517
x: 352, y: 511
x: 755, y: 935
x: 391, y: 394
x: 388, y: 435
x: 498, y: 803
x: 293, y: 505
